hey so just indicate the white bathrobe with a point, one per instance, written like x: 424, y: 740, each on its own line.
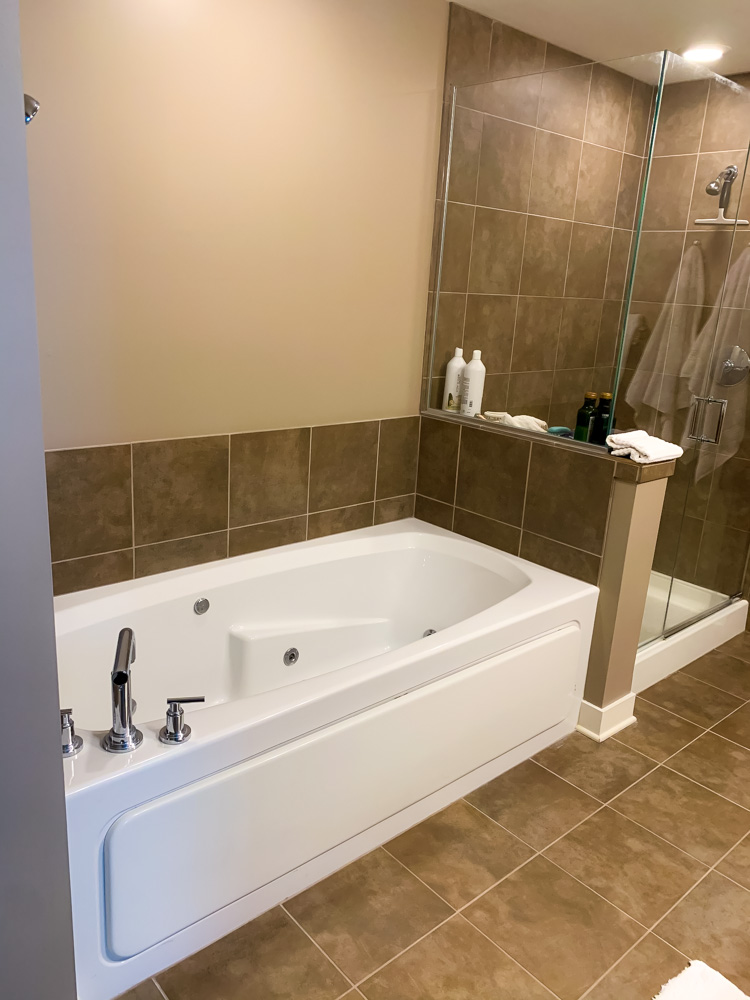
x: 654, y: 397
x: 727, y: 326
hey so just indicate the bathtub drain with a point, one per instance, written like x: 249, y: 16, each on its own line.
x: 291, y: 656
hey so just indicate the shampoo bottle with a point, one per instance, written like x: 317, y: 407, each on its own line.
x: 453, y: 376
x: 473, y: 386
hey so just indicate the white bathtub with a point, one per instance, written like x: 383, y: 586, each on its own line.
x: 293, y: 771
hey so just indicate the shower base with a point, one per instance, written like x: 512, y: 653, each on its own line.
x: 660, y: 656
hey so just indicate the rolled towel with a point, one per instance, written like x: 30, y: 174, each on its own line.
x: 641, y: 447
x: 523, y: 421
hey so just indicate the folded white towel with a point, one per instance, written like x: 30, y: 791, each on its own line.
x: 641, y: 447
x: 523, y: 421
x: 700, y: 982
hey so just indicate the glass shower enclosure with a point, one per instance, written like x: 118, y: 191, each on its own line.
x: 593, y: 233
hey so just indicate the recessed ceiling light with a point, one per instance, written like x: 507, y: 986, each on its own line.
x: 704, y: 53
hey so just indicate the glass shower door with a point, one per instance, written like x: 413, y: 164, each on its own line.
x: 702, y: 325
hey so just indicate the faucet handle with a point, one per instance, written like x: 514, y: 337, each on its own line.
x: 176, y: 730
x: 71, y: 744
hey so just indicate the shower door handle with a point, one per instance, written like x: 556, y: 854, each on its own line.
x: 701, y: 405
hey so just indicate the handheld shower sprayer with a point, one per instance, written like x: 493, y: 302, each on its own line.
x: 723, y: 185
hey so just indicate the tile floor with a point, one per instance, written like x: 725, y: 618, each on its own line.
x: 591, y: 870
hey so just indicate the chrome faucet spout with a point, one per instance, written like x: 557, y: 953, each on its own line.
x: 123, y: 736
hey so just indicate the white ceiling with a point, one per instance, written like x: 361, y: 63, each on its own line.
x: 612, y: 29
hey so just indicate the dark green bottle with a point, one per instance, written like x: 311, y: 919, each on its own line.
x: 585, y: 418
x: 600, y: 430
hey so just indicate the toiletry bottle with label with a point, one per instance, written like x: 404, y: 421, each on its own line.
x: 473, y: 386
x: 600, y: 430
x: 453, y: 378
x: 585, y: 418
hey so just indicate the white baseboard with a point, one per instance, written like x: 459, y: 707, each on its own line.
x: 601, y: 723
x: 664, y: 656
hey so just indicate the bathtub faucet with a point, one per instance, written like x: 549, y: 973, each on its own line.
x: 123, y: 736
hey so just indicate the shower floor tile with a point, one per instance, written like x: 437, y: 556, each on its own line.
x: 595, y: 870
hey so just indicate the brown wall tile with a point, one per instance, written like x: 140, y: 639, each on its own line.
x: 639, y: 122
x: 433, y: 511
x: 670, y: 188
x: 484, y: 529
x: 490, y: 321
x: 727, y: 124
x: 530, y: 392
x: 469, y: 37
x: 537, y: 332
x: 567, y: 498
x: 467, y: 140
x: 88, y: 498
x: 397, y: 457
x: 579, y: 333
x: 450, y: 326
x: 555, y: 175
x: 255, y: 537
x: 514, y: 53
x: 557, y: 58
x: 459, y: 222
x: 505, y: 164
x: 163, y: 556
x: 394, y: 509
x: 516, y: 99
x: 180, y: 488
x: 683, y: 106
x: 659, y: 256
x: 545, y: 256
x: 608, y: 107
x: 495, y: 393
x: 438, y: 457
x: 342, y: 464
x: 565, y: 94
x: 629, y: 189
x: 562, y: 558
x: 598, y: 185
x: 492, y: 475
x: 92, y: 571
x: 587, y: 264
x: 268, y: 475
x: 331, y: 522
x: 496, y: 251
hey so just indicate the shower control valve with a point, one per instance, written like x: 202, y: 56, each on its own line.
x: 176, y: 730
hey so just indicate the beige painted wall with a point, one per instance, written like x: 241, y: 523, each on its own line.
x: 232, y: 210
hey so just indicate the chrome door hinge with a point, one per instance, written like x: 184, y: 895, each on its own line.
x: 700, y: 411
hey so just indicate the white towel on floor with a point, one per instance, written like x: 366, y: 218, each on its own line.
x: 700, y: 982
x: 641, y: 447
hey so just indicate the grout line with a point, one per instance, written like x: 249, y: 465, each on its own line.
x: 455, y: 479
x: 575, y: 200
x: 509, y: 956
x: 417, y: 877
x: 691, y: 721
x: 132, y: 511
x: 716, y: 687
x: 320, y: 949
x: 161, y: 991
x: 403, y: 951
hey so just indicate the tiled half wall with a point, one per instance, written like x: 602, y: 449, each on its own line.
x: 543, y: 501
x: 130, y: 510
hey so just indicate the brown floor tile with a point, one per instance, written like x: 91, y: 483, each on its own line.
x: 533, y: 804
x: 455, y: 962
x: 629, y: 866
x: 560, y: 931
x: 365, y: 914
x: 691, y: 699
x: 642, y: 973
x: 712, y: 924
x: 718, y: 764
x: 144, y: 991
x: 600, y: 769
x: 722, y: 670
x: 657, y: 733
x: 736, y: 727
x: 738, y: 646
x: 687, y: 815
x: 736, y: 865
x: 459, y: 852
x: 269, y: 957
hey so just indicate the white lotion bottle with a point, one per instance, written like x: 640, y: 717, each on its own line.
x: 453, y: 379
x: 473, y: 386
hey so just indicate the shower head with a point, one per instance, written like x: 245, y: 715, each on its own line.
x: 30, y: 107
